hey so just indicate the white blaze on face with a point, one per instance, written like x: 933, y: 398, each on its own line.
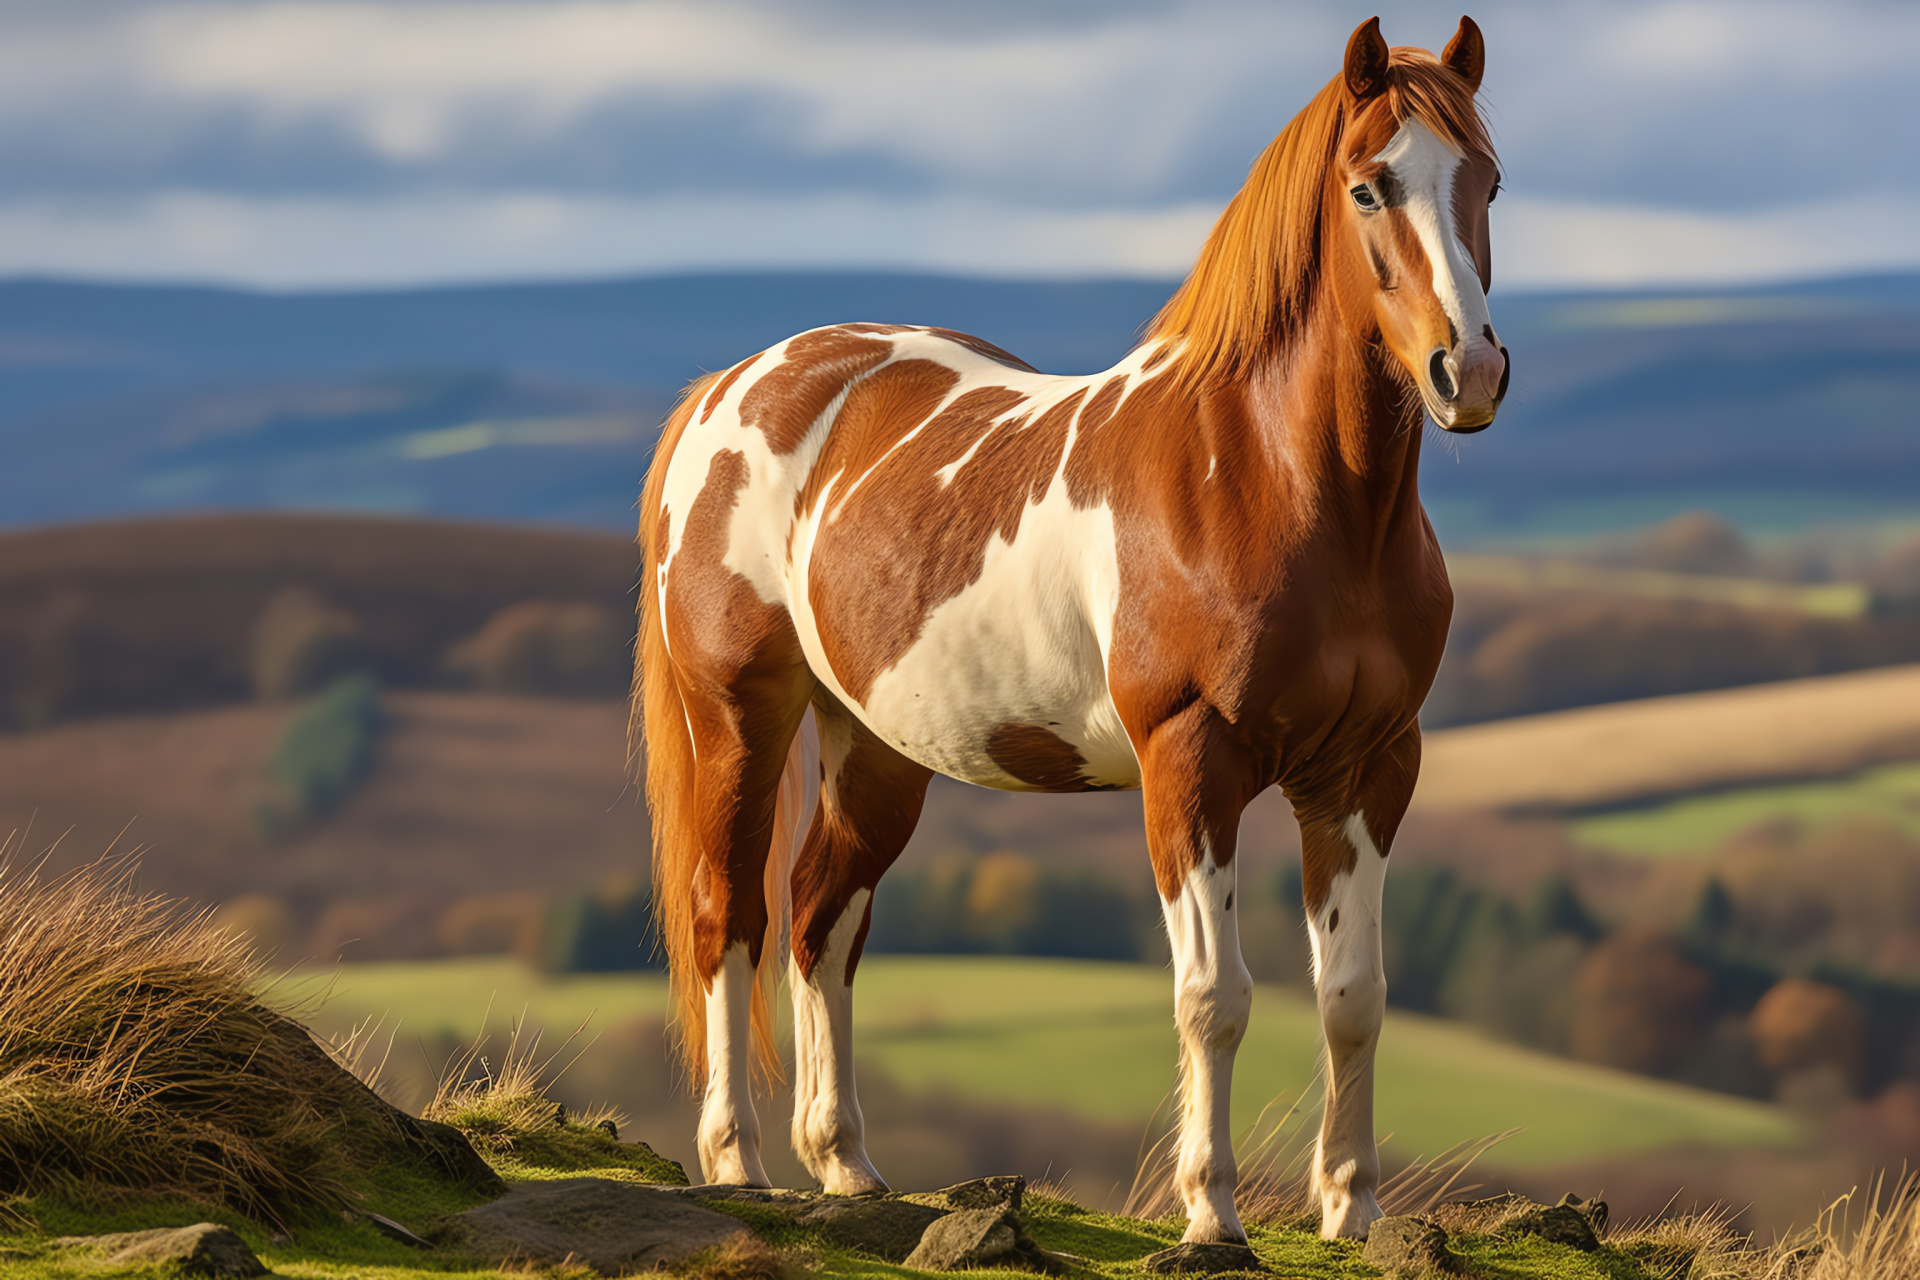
x: 1425, y: 168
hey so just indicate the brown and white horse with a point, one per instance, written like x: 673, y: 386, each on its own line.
x: 1202, y: 573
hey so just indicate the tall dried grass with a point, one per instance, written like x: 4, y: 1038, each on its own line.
x: 1274, y: 1155
x: 136, y: 1055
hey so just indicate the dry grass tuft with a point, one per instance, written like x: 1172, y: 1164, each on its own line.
x: 135, y: 1054
x: 1274, y: 1155
x: 1871, y: 1233
x: 504, y: 1108
x: 504, y: 1111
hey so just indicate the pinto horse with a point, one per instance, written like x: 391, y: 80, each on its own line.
x: 1203, y: 572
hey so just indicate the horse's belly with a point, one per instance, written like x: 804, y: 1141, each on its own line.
x: 1004, y: 682
x: 969, y: 711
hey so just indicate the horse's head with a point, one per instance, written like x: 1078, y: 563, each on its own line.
x: 1408, y: 193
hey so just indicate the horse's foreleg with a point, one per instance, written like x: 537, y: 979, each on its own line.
x: 1213, y: 998
x: 1345, y: 871
x: 1352, y: 988
x: 870, y: 799
x: 1194, y: 792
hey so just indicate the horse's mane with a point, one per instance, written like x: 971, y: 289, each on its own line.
x: 1256, y: 274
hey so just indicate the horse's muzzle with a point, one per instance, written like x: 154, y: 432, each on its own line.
x: 1466, y: 385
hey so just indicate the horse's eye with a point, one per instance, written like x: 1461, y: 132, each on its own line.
x: 1364, y: 197
x: 1493, y: 194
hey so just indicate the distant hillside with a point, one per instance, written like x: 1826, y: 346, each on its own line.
x: 200, y: 610
x: 1778, y: 406
x: 183, y: 612
x: 1630, y: 751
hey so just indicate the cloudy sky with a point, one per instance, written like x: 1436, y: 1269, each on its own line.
x: 402, y: 141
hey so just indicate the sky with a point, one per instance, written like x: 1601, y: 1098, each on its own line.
x: 398, y: 142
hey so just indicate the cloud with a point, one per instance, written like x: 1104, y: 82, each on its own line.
x: 306, y: 242
x: 281, y: 141
x: 1544, y: 243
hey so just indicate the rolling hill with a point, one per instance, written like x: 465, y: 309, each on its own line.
x: 1780, y: 406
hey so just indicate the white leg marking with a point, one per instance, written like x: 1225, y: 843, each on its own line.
x: 1352, y: 984
x: 729, y: 1138
x: 829, y: 1133
x: 1212, y: 1000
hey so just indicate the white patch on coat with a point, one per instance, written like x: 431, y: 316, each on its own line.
x: 829, y: 1133
x: 1213, y: 1000
x: 1425, y: 168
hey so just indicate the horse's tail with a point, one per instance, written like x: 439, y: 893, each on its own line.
x: 659, y: 738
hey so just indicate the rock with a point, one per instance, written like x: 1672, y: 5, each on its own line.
x: 984, y: 1193
x: 1203, y: 1260
x: 612, y: 1129
x: 966, y: 1239
x: 880, y: 1225
x: 1408, y: 1246
x: 1558, y: 1224
x: 204, y: 1249
x: 614, y: 1227
x: 1594, y: 1211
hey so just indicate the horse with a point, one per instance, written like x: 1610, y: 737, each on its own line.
x: 1200, y: 573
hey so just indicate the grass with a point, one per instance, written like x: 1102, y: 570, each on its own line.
x: 1097, y: 1040
x: 1889, y: 795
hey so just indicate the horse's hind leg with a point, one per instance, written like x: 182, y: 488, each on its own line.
x: 870, y: 799
x: 737, y: 781
x: 722, y: 710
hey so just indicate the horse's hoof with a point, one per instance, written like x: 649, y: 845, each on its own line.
x: 1347, y: 1217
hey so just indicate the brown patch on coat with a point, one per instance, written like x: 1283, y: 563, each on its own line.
x: 1473, y: 183
x: 1040, y: 758
x: 905, y: 543
x: 790, y: 397
x: 726, y: 384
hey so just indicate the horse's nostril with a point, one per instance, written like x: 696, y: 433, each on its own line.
x: 1437, y: 371
x: 1506, y: 371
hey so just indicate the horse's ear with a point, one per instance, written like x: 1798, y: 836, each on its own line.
x: 1466, y: 53
x: 1367, y: 61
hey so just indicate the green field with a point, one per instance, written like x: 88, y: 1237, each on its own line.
x: 1888, y: 795
x: 1097, y: 1040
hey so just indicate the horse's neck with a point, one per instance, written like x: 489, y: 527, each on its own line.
x: 1342, y: 431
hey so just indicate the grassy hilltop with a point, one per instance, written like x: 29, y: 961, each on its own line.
x: 144, y: 1084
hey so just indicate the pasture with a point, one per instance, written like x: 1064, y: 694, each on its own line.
x: 1097, y: 1040
x: 1889, y: 796
x: 1823, y: 726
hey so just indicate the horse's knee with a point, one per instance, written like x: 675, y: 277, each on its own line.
x: 1215, y: 1013
x: 1352, y: 1008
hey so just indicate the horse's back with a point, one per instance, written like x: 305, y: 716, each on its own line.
x: 903, y: 495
